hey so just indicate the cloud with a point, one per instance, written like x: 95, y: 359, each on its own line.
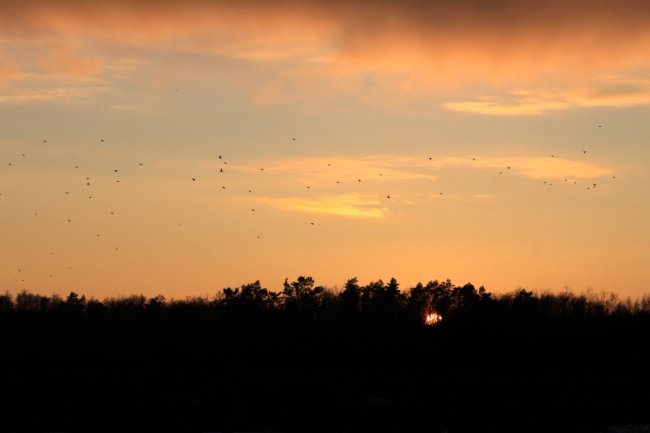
x: 49, y: 94
x: 348, y: 205
x: 377, y: 168
x: 524, y: 102
x: 410, y: 46
x: 533, y: 167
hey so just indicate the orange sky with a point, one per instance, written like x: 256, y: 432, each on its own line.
x: 423, y: 140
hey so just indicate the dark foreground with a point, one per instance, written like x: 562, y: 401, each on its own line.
x: 313, y: 361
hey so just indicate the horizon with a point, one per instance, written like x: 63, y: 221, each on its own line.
x: 179, y: 149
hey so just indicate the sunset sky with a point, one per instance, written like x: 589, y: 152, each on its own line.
x: 503, y: 143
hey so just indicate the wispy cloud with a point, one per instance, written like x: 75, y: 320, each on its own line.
x: 534, y: 167
x: 50, y: 94
x: 348, y: 205
x: 618, y: 92
x: 376, y: 168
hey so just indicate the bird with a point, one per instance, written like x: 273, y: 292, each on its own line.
x: 193, y: 179
x: 252, y: 210
x: 261, y: 169
x: 293, y: 138
x: 584, y: 151
x: 312, y: 223
x: 140, y: 164
x: 388, y: 196
x: 115, y: 171
x: 44, y: 141
x: 308, y: 187
x: 223, y: 187
x: 24, y: 154
x: 552, y: 156
x: 101, y: 139
x: 221, y: 170
x: 358, y: 180
x: 508, y: 167
x: 250, y: 190
x: 219, y: 156
x: 429, y: 158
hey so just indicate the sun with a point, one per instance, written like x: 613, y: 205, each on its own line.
x: 432, y: 318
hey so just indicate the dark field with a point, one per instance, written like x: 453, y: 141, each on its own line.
x: 308, y: 359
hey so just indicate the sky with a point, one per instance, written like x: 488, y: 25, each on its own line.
x: 177, y: 148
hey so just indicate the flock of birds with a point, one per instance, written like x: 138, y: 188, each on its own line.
x: 87, y: 181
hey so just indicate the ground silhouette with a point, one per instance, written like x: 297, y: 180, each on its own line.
x: 308, y: 358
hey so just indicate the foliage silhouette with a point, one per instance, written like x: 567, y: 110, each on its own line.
x: 310, y: 358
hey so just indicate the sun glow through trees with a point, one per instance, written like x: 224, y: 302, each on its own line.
x: 432, y: 319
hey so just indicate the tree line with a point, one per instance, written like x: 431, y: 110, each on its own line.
x: 310, y: 358
x: 377, y: 300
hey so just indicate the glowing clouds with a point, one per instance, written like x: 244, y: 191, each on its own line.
x: 348, y: 205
